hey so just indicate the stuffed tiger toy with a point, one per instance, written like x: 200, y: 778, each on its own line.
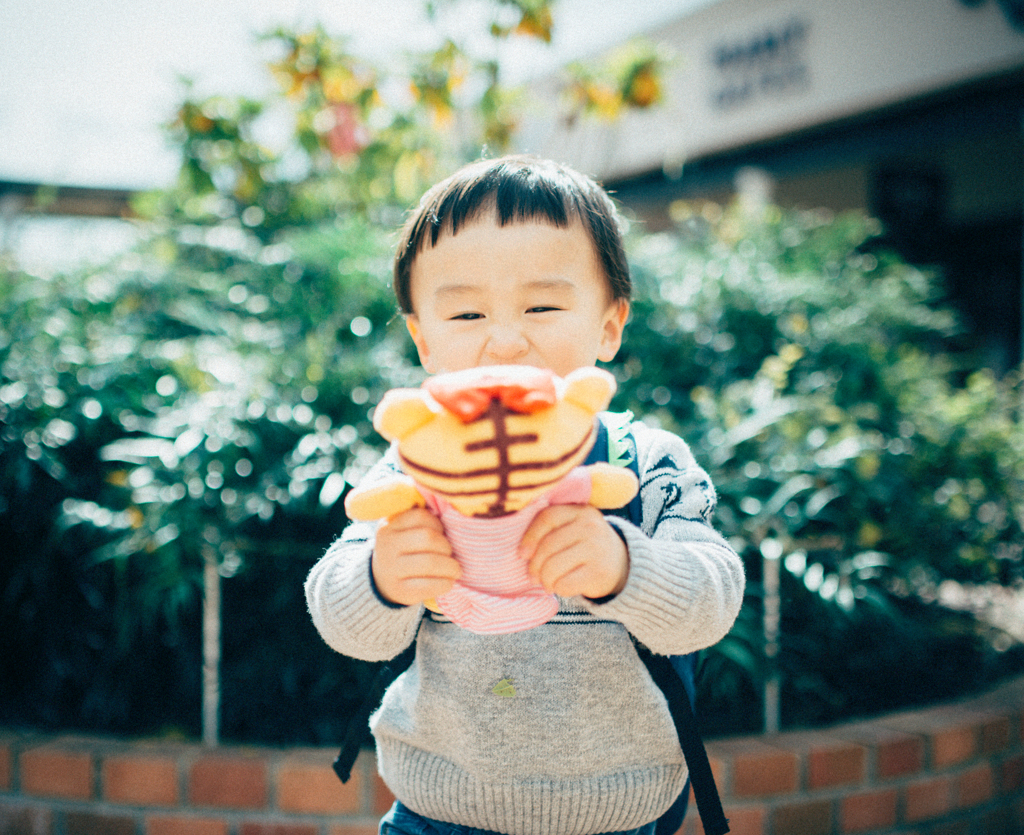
x: 486, y: 449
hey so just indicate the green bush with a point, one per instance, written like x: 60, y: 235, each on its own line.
x: 209, y: 396
x: 807, y: 367
x: 206, y: 398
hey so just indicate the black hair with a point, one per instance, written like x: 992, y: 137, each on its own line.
x: 517, y: 189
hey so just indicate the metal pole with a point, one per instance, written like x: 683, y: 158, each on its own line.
x: 771, y: 551
x: 211, y: 648
x: 1021, y: 265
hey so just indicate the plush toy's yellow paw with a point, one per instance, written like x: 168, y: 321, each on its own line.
x: 611, y: 486
x: 384, y: 500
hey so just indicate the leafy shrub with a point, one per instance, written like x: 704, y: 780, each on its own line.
x: 807, y: 368
x: 204, y: 399
x: 208, y: 398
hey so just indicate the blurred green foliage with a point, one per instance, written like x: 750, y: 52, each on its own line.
x: 812, y: 372
x: 207, y: 396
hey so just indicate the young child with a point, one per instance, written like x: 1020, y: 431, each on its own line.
x: 556, y: 730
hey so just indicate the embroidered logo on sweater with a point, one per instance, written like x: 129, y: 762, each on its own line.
x: 504, y: 688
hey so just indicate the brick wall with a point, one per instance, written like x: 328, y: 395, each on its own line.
x: 950, y: 770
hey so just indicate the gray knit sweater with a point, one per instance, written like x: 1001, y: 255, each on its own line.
x: 557, y: 730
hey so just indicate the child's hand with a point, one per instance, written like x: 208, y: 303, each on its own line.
x: 571, y: 549
x: 412, y: 559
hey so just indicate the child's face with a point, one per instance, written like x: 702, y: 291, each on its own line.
x: 526, y: 293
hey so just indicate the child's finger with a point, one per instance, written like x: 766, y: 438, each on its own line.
x: 416, y: 517
x: 416, y: 576
x: 560, y: 550
x: 560, y: 561
x: 428, y: 564
x: 415, y: 590
x: 578, y: 553
x: 548, y: 520
x: 412, y: 558
x: 413, y: 530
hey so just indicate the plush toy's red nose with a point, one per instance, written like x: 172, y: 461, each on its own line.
x: 519, y: 389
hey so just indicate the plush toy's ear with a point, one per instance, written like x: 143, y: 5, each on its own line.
x: 400, y: 412
x: 591, y: 388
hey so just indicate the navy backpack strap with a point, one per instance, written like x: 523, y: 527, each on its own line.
x: 360, y: 720
x: 709, y: 805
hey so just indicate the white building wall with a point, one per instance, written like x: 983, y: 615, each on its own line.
x: 745, y: 71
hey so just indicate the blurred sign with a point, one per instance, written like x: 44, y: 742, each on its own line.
x: 748, y: 71
x: 767, y: 63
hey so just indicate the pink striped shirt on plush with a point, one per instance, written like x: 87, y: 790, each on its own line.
x: 495, y: 594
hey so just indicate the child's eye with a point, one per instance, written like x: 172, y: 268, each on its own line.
x: 467, y: 317
x: 542, y: 308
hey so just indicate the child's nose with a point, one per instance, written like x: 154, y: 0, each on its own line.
x: 505, y: 343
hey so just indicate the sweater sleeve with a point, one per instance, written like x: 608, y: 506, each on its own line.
x: 686, y: 583
x: 345, y: 606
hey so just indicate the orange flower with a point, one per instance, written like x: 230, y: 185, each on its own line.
x: 644, y: 89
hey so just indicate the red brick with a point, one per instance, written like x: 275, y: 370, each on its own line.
x: 747, y: 821
x: 895, y: 753
x: 835, y: 764
x: 313, y: 788
x: 142, y: 780
x: 955, y: 734
x: 18, y: 819
x: 870, y: 810
x: 718, y: 771
x: 995, y: 734
x: 6, y: 767
x: 807, y: 818
x: 975, y: 786
x: 228, y: 782
x: 927, y: 799
x: 899, y: 756
x: 952, y: 732
x: 92, y: 823
x: 180, y: 825
x: 759, y: 769
x: 383, y: 799
x: 1011, y: 775
x: 55, y: 772
x: 954, y: 745
x: 257, y: 828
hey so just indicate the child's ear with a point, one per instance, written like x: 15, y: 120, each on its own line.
x: 412, y: 324
x: 613, y: 325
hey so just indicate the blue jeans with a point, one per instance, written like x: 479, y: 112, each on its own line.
x: 401, y: 820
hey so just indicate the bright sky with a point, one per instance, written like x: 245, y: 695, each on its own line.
x: 87, y: 83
